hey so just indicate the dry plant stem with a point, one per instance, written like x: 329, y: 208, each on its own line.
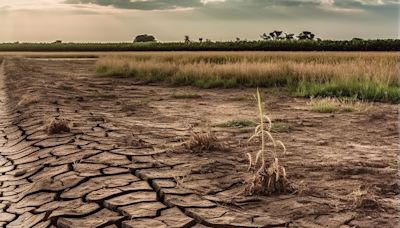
x: 270, y: 177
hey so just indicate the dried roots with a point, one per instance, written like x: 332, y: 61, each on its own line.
x: 269, y: 180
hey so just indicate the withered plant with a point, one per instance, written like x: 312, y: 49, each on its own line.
x: 204, y: 141
x: 269, y: 177
x: 58, y: 126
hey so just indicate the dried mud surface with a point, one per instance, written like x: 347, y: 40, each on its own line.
x: 122, y: 163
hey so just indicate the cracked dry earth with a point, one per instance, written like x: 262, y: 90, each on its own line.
x: 122, y: 163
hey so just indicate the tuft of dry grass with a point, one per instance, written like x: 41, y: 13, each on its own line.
x: 132, y: 105
x: 204, y: 141
x: 237, y: 124
x: 280, y: 127
x: 362, y: 199
x: 185, y: 95
x: 332, y: 105
x: 28, y: 100
x: 269, y: 177
x: 58, y: 126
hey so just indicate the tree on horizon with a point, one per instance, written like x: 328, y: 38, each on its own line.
x: 144, y: 38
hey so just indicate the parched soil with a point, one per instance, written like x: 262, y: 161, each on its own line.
x: 115, y: 157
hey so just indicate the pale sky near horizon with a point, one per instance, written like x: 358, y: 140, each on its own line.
x: 170, y: 20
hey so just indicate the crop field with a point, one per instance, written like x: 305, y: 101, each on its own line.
x: 199, y: 139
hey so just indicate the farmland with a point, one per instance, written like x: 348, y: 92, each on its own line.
x: 161, y: 139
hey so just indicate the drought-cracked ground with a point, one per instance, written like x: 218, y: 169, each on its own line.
x: 123, y: 163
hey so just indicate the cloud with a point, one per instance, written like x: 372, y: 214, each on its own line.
x: 248, y: 4
x: 247, y: 9
x: 142, y: 4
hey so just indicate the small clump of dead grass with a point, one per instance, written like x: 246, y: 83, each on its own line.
x: 185, y: 95
x: 131, y: 140
x: 28, y: 100
x: 204, y: 141
x: 362, y: 199
x: 237, y: 124
x: 134, y: 105
x: 269, y: 176
x: 58, y: 126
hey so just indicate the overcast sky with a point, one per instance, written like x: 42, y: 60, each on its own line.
x: 170, y: 20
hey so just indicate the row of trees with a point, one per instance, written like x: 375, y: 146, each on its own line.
x: 271, y: 45
x: 279, y: 35
x: 275, y: 35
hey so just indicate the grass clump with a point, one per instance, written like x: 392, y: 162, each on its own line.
x: 362, y: 199
x: 58, y: 126
x: 362, y: 90
x: 204, y: 141
x: 27, y: 100
x: 237, y: 124
x: 334, y: 105
x: 132, y: 105
x: 269, y: 176
x: 280, y: 127
x: 65, y: 87
x: 185, y: 95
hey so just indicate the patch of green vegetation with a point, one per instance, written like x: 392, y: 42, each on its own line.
x: 280, y: 127
x: 237, y: 124
x: 114, y: 71
x: 333, y: 105
x: 362, y: 91
x: 132, y: 105
x: 187, y: 95
x: 395, y: 164
x: 347, y: 109
x: 324, y: 108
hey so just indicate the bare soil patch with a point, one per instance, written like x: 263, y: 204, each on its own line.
x: 124, y: 162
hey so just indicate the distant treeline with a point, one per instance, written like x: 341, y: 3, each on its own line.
x: 267, y: 45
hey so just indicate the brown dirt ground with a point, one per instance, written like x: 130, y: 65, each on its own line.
x: 123, y: 164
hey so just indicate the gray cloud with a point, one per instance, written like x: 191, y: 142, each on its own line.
x: 141, y: 5
x: 241, y: 4
x: 248, y: 10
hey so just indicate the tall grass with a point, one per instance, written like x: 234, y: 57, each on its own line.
x: 369, y: 76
